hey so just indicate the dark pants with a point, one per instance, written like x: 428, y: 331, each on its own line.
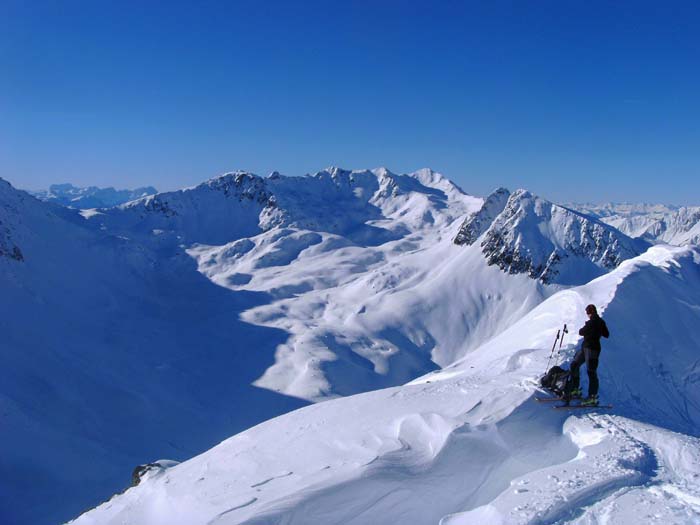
x: 590, y: 357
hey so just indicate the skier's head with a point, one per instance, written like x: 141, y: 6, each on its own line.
x: 591, y: 310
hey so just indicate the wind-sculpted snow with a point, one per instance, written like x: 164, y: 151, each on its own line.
x: 468, y: 444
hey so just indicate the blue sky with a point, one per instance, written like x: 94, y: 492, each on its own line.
x: 573, y: 100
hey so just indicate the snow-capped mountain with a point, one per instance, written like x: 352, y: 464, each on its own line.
x: 656, y: 223
x: 91, y: 196
x: 468, y: 444
x: 136, y: 351
x: 173, y: 321
x: 624, y: 209
x: 366, y: 207
x: 523, y: 233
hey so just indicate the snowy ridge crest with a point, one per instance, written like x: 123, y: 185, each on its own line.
x: 366, y: 206
x: 476, y: 224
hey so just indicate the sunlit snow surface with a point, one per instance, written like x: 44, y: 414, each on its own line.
x: 158, y: 328
x: 468, y: 444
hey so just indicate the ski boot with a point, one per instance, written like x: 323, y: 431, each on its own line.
x: 590, y: 401
x: 576, y: 393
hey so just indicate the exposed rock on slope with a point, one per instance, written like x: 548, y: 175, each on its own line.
x: 476, y: 224
x: 545, y: 241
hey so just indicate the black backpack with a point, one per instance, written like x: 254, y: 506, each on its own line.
x: 555, y: 379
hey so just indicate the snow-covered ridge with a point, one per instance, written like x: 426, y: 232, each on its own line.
x: 362, y: 205
x: 91, y: 196
x: 468, y: 444
x: 530, y: 235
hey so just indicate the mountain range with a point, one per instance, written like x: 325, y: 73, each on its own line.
x: 90, y: 196
x: 656, y: 223
x: 160, y: 326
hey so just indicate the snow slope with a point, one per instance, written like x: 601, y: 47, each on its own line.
x: 117, y: 348
x: 161, y: 326
x: 112, y: 353
x: 468, y: 444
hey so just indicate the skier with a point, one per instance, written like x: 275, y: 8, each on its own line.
x: 592, y: 331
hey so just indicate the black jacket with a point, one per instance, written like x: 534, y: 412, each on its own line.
x: 592, y: 331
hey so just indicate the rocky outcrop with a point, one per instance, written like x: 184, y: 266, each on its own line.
x: 149, y: 469
x: 477, y: 223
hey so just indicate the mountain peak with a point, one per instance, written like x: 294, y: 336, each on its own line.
x: 524, y: 233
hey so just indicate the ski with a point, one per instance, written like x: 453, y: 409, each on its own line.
x: 573, y: 407
x: 548, y: 398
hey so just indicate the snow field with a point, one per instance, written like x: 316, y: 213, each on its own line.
x: 459, y: 445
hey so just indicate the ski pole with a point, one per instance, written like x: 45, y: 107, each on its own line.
x: 552, y: 352
x: 563, y: 333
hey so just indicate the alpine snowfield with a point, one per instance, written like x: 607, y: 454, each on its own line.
x: 468, y: 444
x: 161, y: 326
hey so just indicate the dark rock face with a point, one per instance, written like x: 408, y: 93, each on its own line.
x: 243, y: 185
x: 157, y: 466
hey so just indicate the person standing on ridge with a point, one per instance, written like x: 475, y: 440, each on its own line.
x: 592, y: 331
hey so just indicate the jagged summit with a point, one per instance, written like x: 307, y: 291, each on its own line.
x: 523, y: 233
x: 366, y: 206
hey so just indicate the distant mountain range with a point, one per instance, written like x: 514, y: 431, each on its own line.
x: 656, y: 223
x: 90, y: 196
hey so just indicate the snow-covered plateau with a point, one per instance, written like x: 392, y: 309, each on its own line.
x: 371, y: 341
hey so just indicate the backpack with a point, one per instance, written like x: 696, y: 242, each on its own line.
x: 555, y: 380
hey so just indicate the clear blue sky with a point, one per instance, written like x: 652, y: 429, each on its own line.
x: 573, y: 100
